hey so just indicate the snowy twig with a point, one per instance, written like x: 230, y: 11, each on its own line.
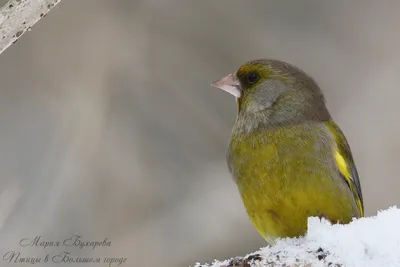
x: 279, y: 257
x: 372, y: 242
x: 18, y: 16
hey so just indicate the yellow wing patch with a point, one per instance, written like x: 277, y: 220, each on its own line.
x: 342, y: 165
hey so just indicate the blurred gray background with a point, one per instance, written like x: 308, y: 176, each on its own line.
x: 109, y: 128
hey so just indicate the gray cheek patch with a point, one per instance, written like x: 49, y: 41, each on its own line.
x: 267, y: 94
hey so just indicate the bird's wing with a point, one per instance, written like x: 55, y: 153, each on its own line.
x: 345, y: 164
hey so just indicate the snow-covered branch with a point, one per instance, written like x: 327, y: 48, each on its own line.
x: 18, y: 16
x: 366, y: 242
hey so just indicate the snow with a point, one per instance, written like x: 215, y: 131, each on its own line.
x: 366, y: 242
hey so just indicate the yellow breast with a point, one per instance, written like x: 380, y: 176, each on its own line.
x: 286, y: 176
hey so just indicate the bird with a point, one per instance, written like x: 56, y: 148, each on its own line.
x: 287, y: 156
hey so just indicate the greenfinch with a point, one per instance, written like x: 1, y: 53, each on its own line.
x: 289, y: 159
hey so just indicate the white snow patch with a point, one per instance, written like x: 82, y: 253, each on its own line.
x: 365, y: 242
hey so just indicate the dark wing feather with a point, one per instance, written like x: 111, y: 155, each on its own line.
x: 345, y: 164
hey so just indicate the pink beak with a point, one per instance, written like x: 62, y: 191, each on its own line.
x: 228, y: 84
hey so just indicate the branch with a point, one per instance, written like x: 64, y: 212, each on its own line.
x: 18, y: 16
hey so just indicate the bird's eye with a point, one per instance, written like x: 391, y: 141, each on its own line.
x: 252, y: 78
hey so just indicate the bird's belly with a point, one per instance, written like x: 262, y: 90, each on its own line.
x: 279, y: 199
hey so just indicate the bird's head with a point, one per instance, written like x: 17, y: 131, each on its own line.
x: 275, y: 91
